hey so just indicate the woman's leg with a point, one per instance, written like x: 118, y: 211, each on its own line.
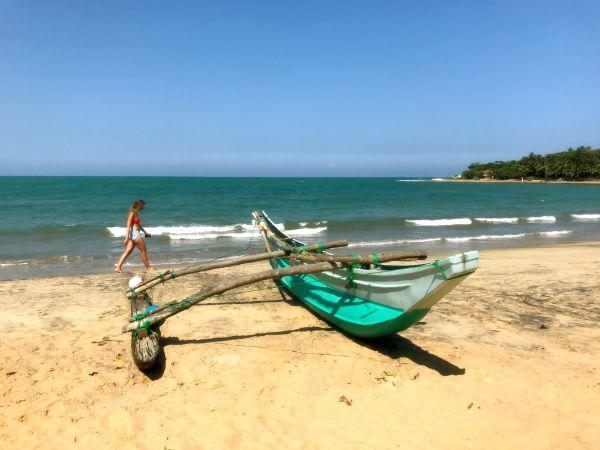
x: 126, y: 253
x: 141, y: 245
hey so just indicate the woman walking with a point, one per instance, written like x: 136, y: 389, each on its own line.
x: 134, y: 236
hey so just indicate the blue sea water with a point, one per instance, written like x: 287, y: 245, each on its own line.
x: 68, y: 225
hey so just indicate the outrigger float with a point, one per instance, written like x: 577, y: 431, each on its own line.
x: 360, y: 294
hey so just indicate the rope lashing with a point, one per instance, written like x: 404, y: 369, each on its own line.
x: 350, y: 267
x: 376, y: 261
x: 298, y: 250
x: 436, y: 264
x: 147, y: 325
x: 320, y: 247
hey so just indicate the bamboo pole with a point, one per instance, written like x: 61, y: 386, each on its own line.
x: 224, y: 286
x: 171, y: 274
x: 374, y: 258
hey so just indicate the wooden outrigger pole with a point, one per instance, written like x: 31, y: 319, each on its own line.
x: 145, y: 322
x: 204, y: 267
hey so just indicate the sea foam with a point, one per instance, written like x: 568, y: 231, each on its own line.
x: 555, y: 233
x: 549, y: 219
x: 199, y: 232
x: 305, y: 231
x: 497, y: 219
x: 585, y: 216
x: 392, y: 242
x: 440, y: 222
x: 486, y: 237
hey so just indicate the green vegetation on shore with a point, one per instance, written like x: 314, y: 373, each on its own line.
x: 582, y: 163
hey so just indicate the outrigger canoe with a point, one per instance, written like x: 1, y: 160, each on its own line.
x: 368, y: 301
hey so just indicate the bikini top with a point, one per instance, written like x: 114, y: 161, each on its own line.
x: 136, y: 220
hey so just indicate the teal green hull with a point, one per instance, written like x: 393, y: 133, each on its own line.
x: 352, y: 314
x: 382, y: 300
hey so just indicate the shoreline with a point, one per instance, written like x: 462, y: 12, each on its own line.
x: 515, y: 345
x: 438, y: 251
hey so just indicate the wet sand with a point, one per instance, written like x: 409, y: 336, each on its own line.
x: 510, y: 359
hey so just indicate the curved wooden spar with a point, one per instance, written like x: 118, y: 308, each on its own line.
x: 224, y: 286
x: 171, y: 274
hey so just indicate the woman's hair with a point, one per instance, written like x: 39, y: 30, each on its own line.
x: 135, y: 206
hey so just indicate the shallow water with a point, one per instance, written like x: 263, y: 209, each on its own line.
x: 61, y: 225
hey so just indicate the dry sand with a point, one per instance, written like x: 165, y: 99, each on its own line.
x: 510, y: 359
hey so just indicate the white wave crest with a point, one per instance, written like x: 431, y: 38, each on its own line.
x: 316, y: 222
x: 392, y: 242
x: 585, y: 216
x: 412, y: 181
x: 305, y: 231
x: 440, y: 222
x: 16, y: 263
x: 197, y: 236
x: 555, y: 233
x: 497, y: 219
x: 199, y: 232
x: 241, y: 230
x: 486, y: 237
x: 550, y: 219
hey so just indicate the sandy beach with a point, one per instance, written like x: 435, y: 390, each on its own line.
x: 510, y: 359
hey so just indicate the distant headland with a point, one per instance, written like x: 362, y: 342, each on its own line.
x: 574, y: 165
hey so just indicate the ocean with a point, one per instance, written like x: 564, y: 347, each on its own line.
x: 73, y: 225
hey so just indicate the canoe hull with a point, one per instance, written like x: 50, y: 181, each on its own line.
x: 381, y: 301
x: 353, y: 314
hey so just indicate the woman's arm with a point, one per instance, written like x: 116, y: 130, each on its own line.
x: 144, y: 231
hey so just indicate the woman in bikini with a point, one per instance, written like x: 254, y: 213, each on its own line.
x: 134, y: 236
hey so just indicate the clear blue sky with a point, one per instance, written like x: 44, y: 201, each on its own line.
x: 293, y: 88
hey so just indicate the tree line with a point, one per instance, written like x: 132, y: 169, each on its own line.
x: 579, y: 163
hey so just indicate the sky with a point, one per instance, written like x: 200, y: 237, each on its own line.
x: 280, y: 88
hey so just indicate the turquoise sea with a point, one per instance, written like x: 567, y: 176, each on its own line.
x: 72, y: 225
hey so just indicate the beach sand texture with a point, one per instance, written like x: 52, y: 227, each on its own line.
x: 510, y: 359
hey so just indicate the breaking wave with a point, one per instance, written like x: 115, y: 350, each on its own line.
x: 497, y: 219
x: 555, y: 233
x: 200, y: 232
x: 585, y: 216
x: 440, y: 222
x: 541, y: 219
x: 483, y: 237
x: 487, y: 237
x: 392, y: 242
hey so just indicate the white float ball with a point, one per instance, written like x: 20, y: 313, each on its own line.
x: 135, y: 282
